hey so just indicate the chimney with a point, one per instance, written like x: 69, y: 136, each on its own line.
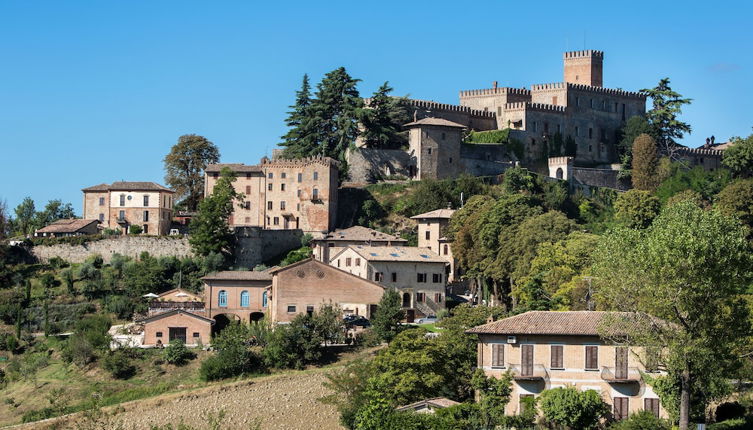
x: 494, y: 85
x: 490, y: 319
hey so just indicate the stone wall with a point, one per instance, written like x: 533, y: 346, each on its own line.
x: 371, y: 165
x: 256, y: 245
x: 604, y: 178
x: 131, y: 246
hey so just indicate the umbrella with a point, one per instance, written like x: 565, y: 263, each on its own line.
x: 181, y: 295
x: 150, y: 296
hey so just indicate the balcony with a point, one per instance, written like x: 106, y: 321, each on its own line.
x: 536, y: 372
x: 630, y: 376
x: 158, y: 307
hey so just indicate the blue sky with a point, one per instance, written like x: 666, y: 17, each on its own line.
x: 94, y: 92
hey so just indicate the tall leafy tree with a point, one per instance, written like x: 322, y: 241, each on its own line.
x: 335, y: 111
x: 634, y: 127
x: 25, y: 213
x: 383, y: 120
x: 689, y: 269
x: 54, y: 210
x: 645, y: 173
x: 739, y: 157
x: 185, y: 164
x: 636, y: 208
x: 389, y: 313
x: 210, y: 231
x: 4, y: 220
x: 663, y: 116
x: 299, y: 140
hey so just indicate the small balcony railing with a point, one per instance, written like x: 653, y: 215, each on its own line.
x: 535, y: 372
x: 631, y: 375
x: 167, y: 306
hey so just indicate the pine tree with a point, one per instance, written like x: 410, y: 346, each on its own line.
x: 663, y: 116
x: 383, y: 121
x: 335, y: 113
x: 645, y: 171
x: 298, y: 141
x: 210, y: 232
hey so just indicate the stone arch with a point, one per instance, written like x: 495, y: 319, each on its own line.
x: 223, y: 320
x: 406, y: 300
x: 560, y: 174
x: 255, y: 316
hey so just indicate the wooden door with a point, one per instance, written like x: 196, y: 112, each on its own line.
x: 526, y: 360
x: 621, y: 362
x: 410, y: 315
x: 177, y: 333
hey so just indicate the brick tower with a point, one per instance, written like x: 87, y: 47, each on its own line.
x: 584, y: 67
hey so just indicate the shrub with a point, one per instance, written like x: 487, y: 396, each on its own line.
x: 233, y: 357
x: 119, y: 365
x: 94, y: 329
x: 78, y: 351
x: 121, y: 306
x: 294, y: 345
x: 135, y: 229
x: 571, y: 408
x: 729, y: 410
x: 636, y: 208
x: 176, y: 353
x: 735, y: 424
x: 643, y: 420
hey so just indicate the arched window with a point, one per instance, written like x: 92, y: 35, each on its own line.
x: 244, y: 299
x: 264, y: 300
x: 222, y: 299
x: 315, y: 194
x: 560, y: 173
x: 445, y: 250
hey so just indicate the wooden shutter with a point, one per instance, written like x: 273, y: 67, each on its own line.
x: 498, y: 355
x: 621, y: 362
x: 592, y: 357
x: 526, y: 359
x: 557, y: 357
x: 651, y: 405
x: 621, y: 408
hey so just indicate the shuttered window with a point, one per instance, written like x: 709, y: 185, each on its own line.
x: 557, y: 359
x: 526, y: 360
x: 651, y: 405
x: 498, y: 355
x: 621, y: 408
x: 592, y: 357
x: 621, y: 362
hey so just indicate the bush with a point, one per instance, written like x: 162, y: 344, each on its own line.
x: 233, y: 357
x: 121, y: 306
x: 119, y: 365
x: 176, y: 353
x: 729, y: 410
x: 135, y: 229
x: 78, y: 351
x: 735, y: 424
x: 94, y: 329
x: 643, y: 420
x: 571, y: 408
x: 294, y: 345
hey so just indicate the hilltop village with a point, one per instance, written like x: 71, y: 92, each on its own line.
x: 543, y: 257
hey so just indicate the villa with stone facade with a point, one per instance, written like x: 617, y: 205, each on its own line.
x: 123, y: 204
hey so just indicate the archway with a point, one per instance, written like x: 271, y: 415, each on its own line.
x: 406, y: 300
x: 256, y: 316
x: 223, y: 320
x: 560, y: 174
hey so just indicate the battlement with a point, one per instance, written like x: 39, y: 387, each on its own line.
x: 495, y: 91
x: 701, y: 151
x: 298, y: 162
x: 610, y: 91
x: 545, y: 87
x: 425, y: 104
x: 588, y: 53
x: 542, y: 107
x: 558, y: 161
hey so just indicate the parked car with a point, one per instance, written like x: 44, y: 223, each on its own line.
x: 356, y: 321
x: 431, y: 319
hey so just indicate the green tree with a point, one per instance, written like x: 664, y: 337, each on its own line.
x: 736, y: 200
x: 25, y: 214
x: 573, y: 409
x: 697, y: 179
x: 336, y: 109
x: 493, y: 396
x: 294, y: 345
x: 176, y: 353
x: 645, y: 172
x: 663, y: 116
x: 210, y: 232
x: 642, y: 420
x: 299, y: 141
x: 54, y: 210
x: 739, y: 157
x: 328, y: 323
x: 636, y: 208
x: 184, y: 167
x: 687, y: 262
x: 233, y: 358
x: 389, y: 313
x: 634, y: 127
x: 383, y: 120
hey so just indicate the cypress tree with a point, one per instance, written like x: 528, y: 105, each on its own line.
x: 299, y: 140
x: 645, y: 163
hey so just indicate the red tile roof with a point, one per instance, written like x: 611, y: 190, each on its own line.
x: 579, y: 323
x: 129, y: 186
x: 67, y: 226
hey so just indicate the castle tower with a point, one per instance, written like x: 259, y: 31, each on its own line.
x: 584, y: 67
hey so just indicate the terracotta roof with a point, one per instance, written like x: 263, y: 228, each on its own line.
x: 359, y: 233
x: 129, y: 186
x: 180, y: 290
x: 235, y: 167
x: 439, y: 213
x: 325, y: 267
x: 397, y: 253
x: 173, y: 312
x: 239, y: 275
x: 580, y: 323
x: 437, y: 402
x: 67, y: 226
x: 436, y: 122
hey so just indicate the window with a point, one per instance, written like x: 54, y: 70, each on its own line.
x: 247, y: 219
x: 146, y: 229
x: 121, y: 215
x: 196, y: 334
x: 101, y: 217
x: 590, y: 133
x: 270, y: 175
x: 269, y: 187
x: 315, y: 194
x: 283, y: 175
x: 282, y: 206
x: 577, y: 101
x: 146, y: 215
x: 420, y: 277
x: 358, y: 261
x: 276, y: 220
x: 298, y: 193
x: 146, y: 200
x: 101, y: 201
x: 450, y: 160
x: 429, y: 151
x: 215, y: 175
x: 436, y: 278
x: 559, y: 128
x: 222, y: 298
x: 428, y: 235
x: 394, y: 276
x: 438, y: 297
x: 158, y: 334
x: 651, y: 405
x: 443, y: 135
x: 310, y: 310
x: 526, y: 360
x: 248, y: 189
x: 300, y: 177
x: 298, y: 207
x: 554, y: 102
x: 264, y: 299
x: 420, y: 297
x: 282, y: 187
x: 577, y: 131
x: 557, y: 358
x: 621, y: 408
x: 378, y: 276
x: 535, y: 126
x: 122, y: 200
x: 269, y: 206
x: 591, y: 103
x: 247, y: 205
x: 316, y: 176
x: 498, y: 355
x: 347, y: 262
x: 244, y: 299
x: 291, y: 309
x: 592, y: 357
x: 248, y: 176
x: 590, y: 148
x: 445, y: 250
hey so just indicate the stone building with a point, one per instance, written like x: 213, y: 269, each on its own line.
x: 283, y: 194
x: 434, y: 143
x: 236, y: 295
x: 545, y: 350
x: 418, y: 273
x: 123, y: 204
x: 305, y: 286
x: 432, y: 229
x: 68, y: 227
x: 333, y: 243
x: 192, y: 328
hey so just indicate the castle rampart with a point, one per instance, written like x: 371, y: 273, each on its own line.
x: 495, y: 91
